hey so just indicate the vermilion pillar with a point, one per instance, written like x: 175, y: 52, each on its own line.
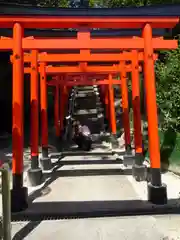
x: 156, y: 191
x: 62, y: 106
x: 66, y: 91
x: 34, y: 173
x: 18, y: 193
x: 70, y: 99
x: 43, y: 104
x: 106, y: 100
x: 112, y: 115
x: 66, y: 98
x: 63, y: 100
x: 125, y: 107
x: 34, y: 88
x: 56, y: 110
x: 138, y: 169
x: 45, y: 160
x: 136, y: 107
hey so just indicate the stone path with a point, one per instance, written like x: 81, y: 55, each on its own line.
x: 84, y: 185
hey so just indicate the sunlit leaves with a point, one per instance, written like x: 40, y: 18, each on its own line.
x: 168, y: 89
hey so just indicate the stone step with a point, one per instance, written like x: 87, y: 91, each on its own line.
x: 88, y: 108
x: 86, y: 91
x: 90, y: 88
x: 94, y: 119
x: 88, y: 100
x: 92, y: 111
x: 88, y: 105
x: 86, y: 95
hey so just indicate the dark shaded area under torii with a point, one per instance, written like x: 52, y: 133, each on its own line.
x: 6, y: 96
x: 94, y: 33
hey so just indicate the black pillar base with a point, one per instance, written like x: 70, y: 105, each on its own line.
x: 139, y: 158
x: 128, y: 150
x: 45, y: 152
x: 139, y: 172
x: 157, y: 194
x: 114, y: 142
x: 128, y: 160
x: 106, y: 124
x: 113, y: 137
x: 46, y: 163
x: 19, y: 199
x: 35, y: 176
x: 148, y: 175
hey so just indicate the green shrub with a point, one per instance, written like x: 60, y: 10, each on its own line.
x: 168, y: 89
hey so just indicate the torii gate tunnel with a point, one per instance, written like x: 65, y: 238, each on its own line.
x: 71, y: 80
x: 141, y: 49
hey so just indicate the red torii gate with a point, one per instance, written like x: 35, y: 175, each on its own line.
x: 84, y: 41
x: 83, y: 68
x: 85, y: 55
x: 56, y: 70
x: 156, y: 190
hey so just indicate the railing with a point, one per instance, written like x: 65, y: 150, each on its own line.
x: 6, y: 202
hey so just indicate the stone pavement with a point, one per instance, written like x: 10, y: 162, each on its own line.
x: 86, y: 189
x: 78, y: 197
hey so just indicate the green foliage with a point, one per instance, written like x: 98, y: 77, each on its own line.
x: 53, y: 3
x: 120, y: 3
x: 63, y: 3
x: 167, y: 73
x: 123, y: 3
x: 104, y: 3
x: 168, y: 89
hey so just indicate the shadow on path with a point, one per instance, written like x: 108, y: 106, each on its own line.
x: 40, y: 211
